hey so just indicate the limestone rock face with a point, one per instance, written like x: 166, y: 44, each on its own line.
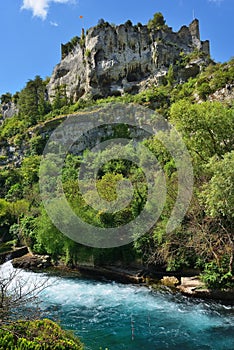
x: 224, y: 94
x: 111, y: 60
x: 8, y: 109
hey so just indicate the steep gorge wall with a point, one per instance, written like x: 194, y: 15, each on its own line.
x: 112, y: 60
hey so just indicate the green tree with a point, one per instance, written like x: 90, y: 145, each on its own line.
x: 29, y: 169
x: 48, y: 238
x: 219, y: 191
x: 158, y: 22
x: 5, y: 212
x: 32, y: 100
x: 5, y: 98
x: 218, y: 199
x: 207, y: 128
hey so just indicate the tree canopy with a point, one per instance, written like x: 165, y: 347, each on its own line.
x: 157, y: 22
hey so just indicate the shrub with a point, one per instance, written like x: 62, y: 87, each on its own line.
x: 37, y: 335
x: 216, y: 277
x: 88, y: 53
x: 204, y: 90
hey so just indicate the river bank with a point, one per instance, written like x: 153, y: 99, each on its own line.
x: 13, y: 253
x: 189, y: 285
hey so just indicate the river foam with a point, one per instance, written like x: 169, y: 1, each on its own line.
x: 116, y: 316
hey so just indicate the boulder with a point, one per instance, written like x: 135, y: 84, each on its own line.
x: 170, y: 281
x: 32, y: 262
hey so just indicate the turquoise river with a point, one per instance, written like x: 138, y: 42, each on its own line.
x: 116, y: 316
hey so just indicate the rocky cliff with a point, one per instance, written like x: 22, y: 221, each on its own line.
x: 111, y: 60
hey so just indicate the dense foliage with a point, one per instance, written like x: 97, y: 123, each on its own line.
x: 204, y: 240
x: 158, y: 22
x: 37, y: 335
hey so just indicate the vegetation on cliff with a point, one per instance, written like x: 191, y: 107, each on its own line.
x: 204, y: 116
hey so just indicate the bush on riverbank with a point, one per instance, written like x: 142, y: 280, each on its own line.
x: 37, y: 335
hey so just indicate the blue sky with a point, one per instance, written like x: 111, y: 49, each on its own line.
x: 32, y: 30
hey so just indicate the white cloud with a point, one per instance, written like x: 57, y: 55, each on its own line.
x: 40, y: 8
x: 53, y: 24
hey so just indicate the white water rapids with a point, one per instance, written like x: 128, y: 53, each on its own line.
x: 116, y: 316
